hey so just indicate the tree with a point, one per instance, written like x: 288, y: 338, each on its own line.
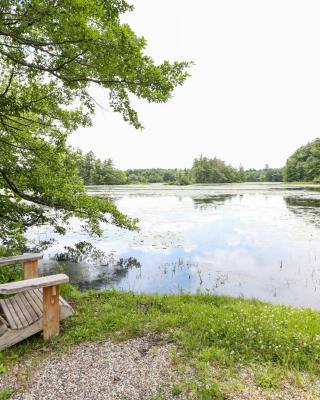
x: 151, y: 175
x: 264, y: 175
x: 304, y: 164
x: 51, y: 53
x: 241, y: 174
x: 213, y: 170
x: 184, y: 177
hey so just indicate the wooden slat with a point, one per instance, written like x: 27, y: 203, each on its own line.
x: 33, y: 308
x: 38, y: 293
x: 19, y: 314
x: 63, y: 302
x: 22, y: 310
x: 45, y: 281
x: 7, y: 314
x: 22, y: 258
x: 36, y: 301
x: 10, y: 314
x: 2, y: 320
x: 24, y: 307
x: 14, y: 336
x: 3, y: 329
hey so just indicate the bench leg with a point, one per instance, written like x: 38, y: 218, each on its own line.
x: 51, y: 311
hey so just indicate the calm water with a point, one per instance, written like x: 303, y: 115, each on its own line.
x: 251, y: 240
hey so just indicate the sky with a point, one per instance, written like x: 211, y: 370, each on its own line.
x: 253, y: 96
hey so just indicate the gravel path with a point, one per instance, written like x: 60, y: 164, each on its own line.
x: 139, y: 369
x: 135, y: 370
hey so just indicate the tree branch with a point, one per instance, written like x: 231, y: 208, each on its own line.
x: 8, y: 85
x: 27, y: 197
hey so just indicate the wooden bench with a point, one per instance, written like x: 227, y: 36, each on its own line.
x: 36, y: 304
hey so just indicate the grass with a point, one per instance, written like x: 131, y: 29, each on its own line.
x: 5, y: 394
x: 206, y: 329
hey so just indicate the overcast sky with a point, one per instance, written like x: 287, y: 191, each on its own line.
x: 253, y: 97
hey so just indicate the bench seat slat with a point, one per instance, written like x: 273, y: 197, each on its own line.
x: 9, y: 313
x: 36, y: 301
x: 19, y: 314
x: 3, y: 328
x: 15, y: 315
x: 24, y: 307
x: 34, y: 312
x: 38, y: 293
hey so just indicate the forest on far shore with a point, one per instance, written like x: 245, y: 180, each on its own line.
x: 302, y: 166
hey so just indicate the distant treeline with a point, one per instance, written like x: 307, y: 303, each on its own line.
x: 204, y: 170
x: 303, y: 165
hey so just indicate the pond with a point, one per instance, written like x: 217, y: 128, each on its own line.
x: 253, y: 240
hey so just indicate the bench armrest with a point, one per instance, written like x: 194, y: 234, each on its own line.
x: 18, y: 259
x: 35, y: 283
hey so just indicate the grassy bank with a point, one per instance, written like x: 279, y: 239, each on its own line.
x: 206, y: 330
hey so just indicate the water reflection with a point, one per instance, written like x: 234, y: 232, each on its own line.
x: 302, y: 202
x: 213, y: 200
x: 111, y: 274
x: 83, y: 252
x: 89, y: 267
x: 239, y: 240
x: 306, y: 208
